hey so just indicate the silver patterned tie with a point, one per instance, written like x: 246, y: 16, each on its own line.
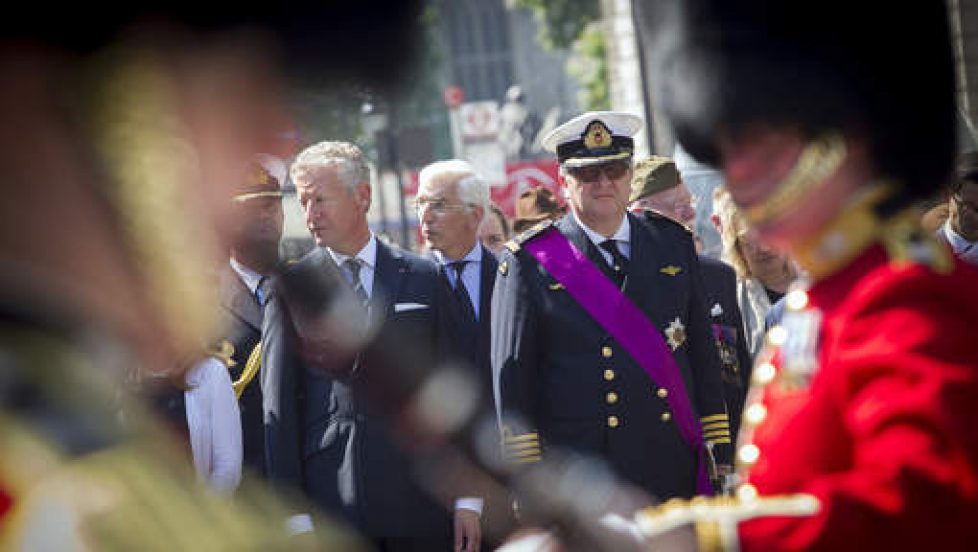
x: 352, y: 267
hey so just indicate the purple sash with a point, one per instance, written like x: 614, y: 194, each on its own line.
x: 629, y: 326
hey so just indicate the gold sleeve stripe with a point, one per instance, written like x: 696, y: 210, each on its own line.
x: 720, y: 440
x: 716, y: 425
x: 714, y: 418
x: 718, y: 433
x: 528, y: 460
x: 523, y: 446
x: 535, y: 451
x: 524, y: 437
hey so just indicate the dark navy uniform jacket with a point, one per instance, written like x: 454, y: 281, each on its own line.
x: 720, y: 285
x: 242, y: 327
x: 562, y: 381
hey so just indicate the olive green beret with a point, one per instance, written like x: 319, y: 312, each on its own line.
x: 653, y: 174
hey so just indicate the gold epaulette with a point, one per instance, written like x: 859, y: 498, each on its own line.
x: 716, y: 428
x: 907, y: 243
x: 527, y: 235
x: 523, y: 448
x: 715, y: 519
x: 652, y: 215
x: 223, y: 351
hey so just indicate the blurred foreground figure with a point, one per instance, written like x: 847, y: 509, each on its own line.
x: 121, y: 146
x: 858, y: 430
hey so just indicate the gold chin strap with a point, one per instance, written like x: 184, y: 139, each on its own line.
x: 820, y: 159
x: 847, y: 235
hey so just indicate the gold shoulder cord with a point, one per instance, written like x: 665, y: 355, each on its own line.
x: 250, y: 370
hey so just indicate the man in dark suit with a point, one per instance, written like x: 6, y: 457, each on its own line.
x: 658, y: 190
x: 255, y: 231
x: 452, y: 201
x: 565, y: 380
x: 321, y: 435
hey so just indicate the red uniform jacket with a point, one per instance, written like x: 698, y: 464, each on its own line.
x: 886, y: 435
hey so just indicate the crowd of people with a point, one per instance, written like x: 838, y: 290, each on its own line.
x: 587, y: 381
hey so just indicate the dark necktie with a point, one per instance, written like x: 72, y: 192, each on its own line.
x: 261, y: 291
x: 352, y: 267
x: 461, y: 294
x: 619, y: 264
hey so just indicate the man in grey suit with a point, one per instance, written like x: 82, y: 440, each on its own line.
x: 322, y: 436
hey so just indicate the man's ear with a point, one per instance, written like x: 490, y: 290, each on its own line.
x: 363, y: 195
x: 715, y: 219
x: 480, y: 213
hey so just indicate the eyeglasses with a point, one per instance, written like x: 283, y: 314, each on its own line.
x: 592, y: 173
x: 971, y: 206
x: 437, y: 206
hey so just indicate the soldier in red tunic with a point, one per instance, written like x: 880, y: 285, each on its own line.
x: 859, y: 431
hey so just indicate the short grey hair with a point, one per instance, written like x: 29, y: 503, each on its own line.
x: 346, y: 157
x: 472, y: 189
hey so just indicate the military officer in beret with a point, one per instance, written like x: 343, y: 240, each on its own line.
x: 658, y: 190
x: 600, y: 340
x: 255, y: 231
x: 859, y: 427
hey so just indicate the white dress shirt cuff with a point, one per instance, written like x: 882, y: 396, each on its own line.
x: 470, y: 503
x: 299, y: 523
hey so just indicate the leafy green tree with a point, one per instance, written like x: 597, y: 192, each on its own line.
x: 589, y: 66
x: 561, y: 22
x: 574, y: 25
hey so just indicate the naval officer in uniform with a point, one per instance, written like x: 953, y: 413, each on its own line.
x: 600, y: 338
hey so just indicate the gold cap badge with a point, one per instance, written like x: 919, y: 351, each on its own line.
x: 597, y: 135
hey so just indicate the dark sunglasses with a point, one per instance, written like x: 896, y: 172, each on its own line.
x: 592, y: 173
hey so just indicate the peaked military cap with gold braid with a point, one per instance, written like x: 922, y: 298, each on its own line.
x: 594, y: 137
x: 263, y: 178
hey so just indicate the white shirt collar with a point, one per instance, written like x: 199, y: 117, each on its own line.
x: 621, y: 235
x: 367, y: 255
x: 473, y: 256
x: 247, y: 275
